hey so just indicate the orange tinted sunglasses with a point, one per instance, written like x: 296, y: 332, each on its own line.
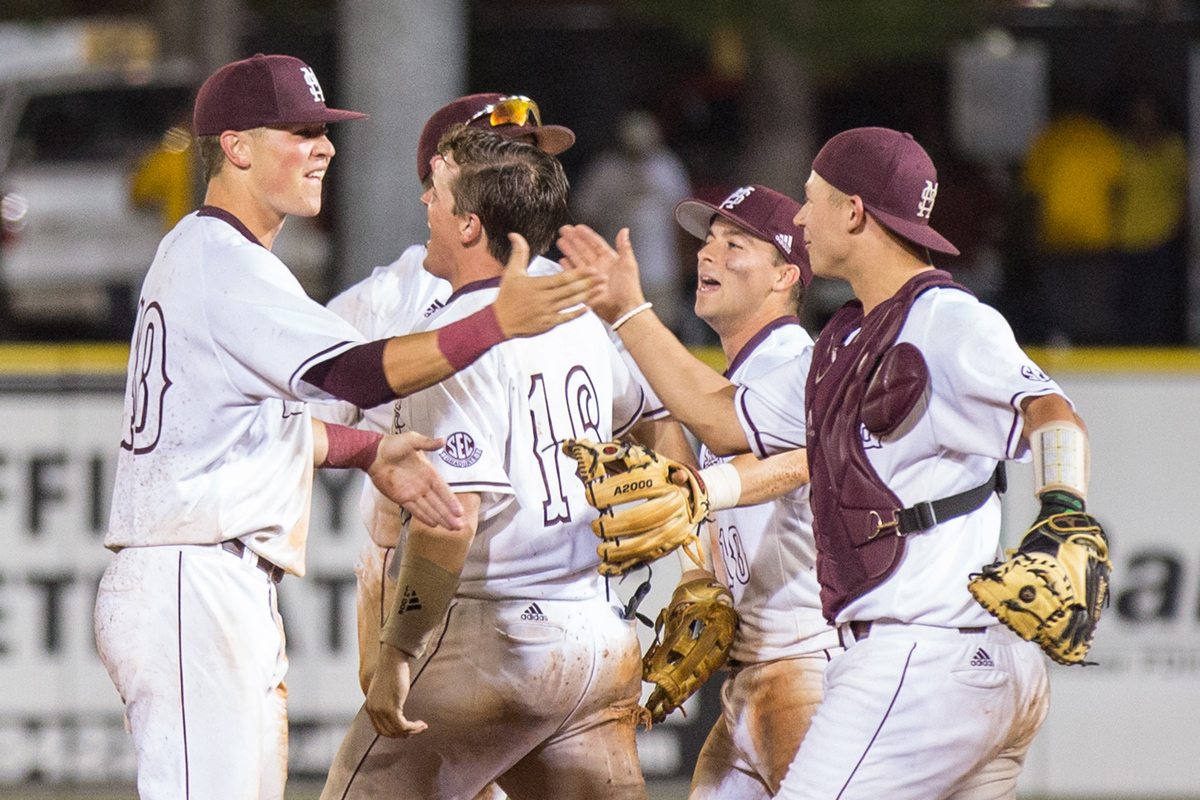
x: 513, y: 110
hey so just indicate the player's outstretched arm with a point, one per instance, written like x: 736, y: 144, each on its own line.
x: 396, y: 465
x: 620, y: 287
x: 403, y: 474
x: 429, y: 575
x: 387, y: 693
x: 767, y: 479
x: 526, y: 306
x: 695, y: 395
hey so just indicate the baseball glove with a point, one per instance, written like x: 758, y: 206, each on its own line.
x: 1051, y: 588
x: 697, y: 633
x: 643, y: 514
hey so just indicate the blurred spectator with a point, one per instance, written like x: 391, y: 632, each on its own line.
x: 166, y: 176
x: 1153, y: 194
x: 637, y: 185
x: 1071, y: 173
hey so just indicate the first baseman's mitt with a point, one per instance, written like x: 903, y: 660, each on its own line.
x: 643, y: 514
x: 699, y: 627
x: 1051, y: 589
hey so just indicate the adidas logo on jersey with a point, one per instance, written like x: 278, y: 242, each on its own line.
x: 784, y: 240
x: 534, y: 614
x: 982, y: 659
x: 434, y: 306
x: 409, y: 602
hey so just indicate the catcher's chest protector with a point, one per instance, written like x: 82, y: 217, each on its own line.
x: 849, y: 499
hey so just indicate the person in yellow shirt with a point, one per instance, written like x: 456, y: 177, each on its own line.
x: 1071, y: 175
x: 165, y: 177
x: 1150, y: 223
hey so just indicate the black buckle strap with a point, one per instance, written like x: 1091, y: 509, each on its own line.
x: 925, y: 515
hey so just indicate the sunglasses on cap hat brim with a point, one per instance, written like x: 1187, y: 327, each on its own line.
x: 512, y: 110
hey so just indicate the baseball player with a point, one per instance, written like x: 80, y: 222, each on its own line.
x: 214, y: 475
x: 501, y: 659
x: 391, y: 302
x: 932, y: 698
x: 752, y: 270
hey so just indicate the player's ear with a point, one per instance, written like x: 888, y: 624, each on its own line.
x: 856, y: 214
x: 788, y: 275
x: 470, y: 229
x: 236, y: 145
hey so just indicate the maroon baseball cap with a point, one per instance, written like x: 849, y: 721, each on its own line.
x: 475, y: 111
x: 892, y: 174
x: 763, y: 212
x: 262, y: 91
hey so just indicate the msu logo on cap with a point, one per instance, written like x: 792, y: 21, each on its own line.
x: 314, y: 86
x: 737, y: 197
x: 928, y: 195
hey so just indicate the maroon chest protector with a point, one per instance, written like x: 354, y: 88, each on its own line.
x: 856, y: 549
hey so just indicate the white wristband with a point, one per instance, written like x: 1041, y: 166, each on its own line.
x: 1060, y: 458
x: 724, y: 486
x: 621, y: 320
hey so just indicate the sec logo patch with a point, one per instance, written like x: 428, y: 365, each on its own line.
x: 1034, y: 374
x: 460, y: 450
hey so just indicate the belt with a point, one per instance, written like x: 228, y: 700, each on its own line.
x: 237, y: 548
x: 861, y: 628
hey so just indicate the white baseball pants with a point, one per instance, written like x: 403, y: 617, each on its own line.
x: 914, y: 712
x: 192, y: 638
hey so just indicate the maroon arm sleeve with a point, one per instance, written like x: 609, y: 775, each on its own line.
x: 467, y: 339
x: 355, y: 375
x: 350, y: 447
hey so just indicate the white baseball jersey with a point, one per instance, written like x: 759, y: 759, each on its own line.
x: 768, y: 549
x: 504, y: 419
x: 396, y: 300
x: 565, y: 673
x: 389, y: 302
x: 978, y: 378
x: 217, y: 439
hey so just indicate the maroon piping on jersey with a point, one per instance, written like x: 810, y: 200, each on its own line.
x: 222, y: 214
x: 474, y: 286
x: 758, y: 339
x: 849, y: 499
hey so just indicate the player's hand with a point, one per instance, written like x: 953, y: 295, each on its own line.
x: 403, y: 474
x: 619, y: 289
x: 387, y: 693
x: 526, y: 305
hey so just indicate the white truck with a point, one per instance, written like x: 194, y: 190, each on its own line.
x: 82, y: 104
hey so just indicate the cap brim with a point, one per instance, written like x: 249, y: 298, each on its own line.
x: 916, y: 233
x: 550, y: 139
x: 695, y: 217
x: 338, y: 115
